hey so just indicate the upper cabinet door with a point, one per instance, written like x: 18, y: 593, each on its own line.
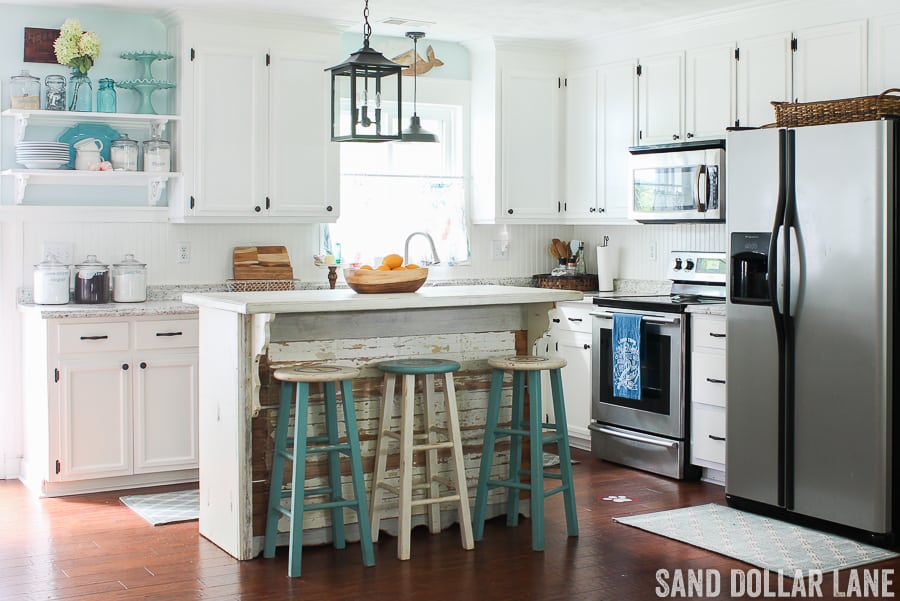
x: 661, y: 104
x: 582, y: 108
x: 530, y: 144
x: 710, y: 89
x: 229, y: 131
x: 302, y: 173
x: 831, y: 62
x: 618, y: 126
x: 764, y: 75
x: 885, y: 48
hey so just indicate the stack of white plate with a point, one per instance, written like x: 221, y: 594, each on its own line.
x: 42, y: 155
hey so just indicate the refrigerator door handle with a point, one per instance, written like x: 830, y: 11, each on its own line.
x: 779, y: 260
x: 795, y: 270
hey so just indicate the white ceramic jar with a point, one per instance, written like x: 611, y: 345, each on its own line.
x: 129, y: 281
x: 51, y: 282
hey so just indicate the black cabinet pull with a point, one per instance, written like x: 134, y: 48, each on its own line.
x: 125, y: 366
x: 556, y: 320
x: 168, y: 333
x: 587, y: 346
x: 143, y: 365
x: 575, y: 319
x: 719, y: 438
x: 716, y: 335
x: 715, y: 381
x: 94, y: 337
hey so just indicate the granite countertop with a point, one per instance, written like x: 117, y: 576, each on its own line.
x: 144, y: 309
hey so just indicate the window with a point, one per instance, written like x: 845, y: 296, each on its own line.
x: 391, y: 190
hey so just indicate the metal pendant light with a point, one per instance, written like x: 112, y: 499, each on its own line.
x: 366, y: 78
x: 415, y: 132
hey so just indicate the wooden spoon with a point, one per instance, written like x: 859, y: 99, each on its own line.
x: 553, y: 253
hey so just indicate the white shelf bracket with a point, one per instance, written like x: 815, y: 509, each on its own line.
x: 155, y: 187
x: 20, y: 126
x: 21, y: 182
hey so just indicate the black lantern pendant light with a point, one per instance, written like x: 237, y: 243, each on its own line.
x: 367, y: 80
x: 415, y: 133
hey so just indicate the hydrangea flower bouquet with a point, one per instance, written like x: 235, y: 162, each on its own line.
x: 77, y: 50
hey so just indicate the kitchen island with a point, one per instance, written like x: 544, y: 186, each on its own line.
x: 245, y: 335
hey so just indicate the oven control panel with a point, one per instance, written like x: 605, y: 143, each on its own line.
x: 698, y: 266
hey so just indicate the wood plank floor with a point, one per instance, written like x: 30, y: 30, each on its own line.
x: 91, y: 547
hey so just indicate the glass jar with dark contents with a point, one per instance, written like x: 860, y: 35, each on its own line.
x: 91, y: 281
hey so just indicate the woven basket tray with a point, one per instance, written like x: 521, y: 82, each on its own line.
x: 258, y: 285
x: 846, y: 110
x: 582, y: 283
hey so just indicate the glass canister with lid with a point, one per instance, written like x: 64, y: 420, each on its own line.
x: 157, y: 155
x: 56, y: 92
x: 129, y: 280
x: 51, y: 282
x: 24, y: 91
x: 91, y: 281
x: 123, y: 154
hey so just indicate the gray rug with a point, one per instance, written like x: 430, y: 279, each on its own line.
x: 757, y: 540
x: 167, y: 507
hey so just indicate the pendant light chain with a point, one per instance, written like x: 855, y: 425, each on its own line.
x: 367, y: 29
x: 415, y: 72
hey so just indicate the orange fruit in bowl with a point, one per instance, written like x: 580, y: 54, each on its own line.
x: 392, y: 261
x: 412, y: 266
x: 382, y: 268
x: 369, y: 267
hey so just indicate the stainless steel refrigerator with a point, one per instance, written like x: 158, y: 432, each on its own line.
x: 811, y: 291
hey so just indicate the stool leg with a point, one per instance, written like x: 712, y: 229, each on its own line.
x: 406, y: 468
x: 301, y: 413
x: 537, y: 461
x: 459, y: 466
x: 359, y: 486
x: 487, y: 453
x: 334, y: 465
x: 517, y: 422
x: 431, y: 457
x: 384, y: 425
x: 277, y: 479
x: 565, y: 454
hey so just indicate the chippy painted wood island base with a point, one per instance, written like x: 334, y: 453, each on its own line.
x: 245, y: 335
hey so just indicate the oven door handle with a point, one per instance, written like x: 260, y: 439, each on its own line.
x: 646, y: 318
x: 635, y: 437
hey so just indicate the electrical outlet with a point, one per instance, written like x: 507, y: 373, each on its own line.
x: 183, y: 252
x: 63, y: 251
x: 653, y: 251
x: 500, y: 250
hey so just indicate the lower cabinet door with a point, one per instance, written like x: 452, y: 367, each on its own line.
x: 575, y: 348
x: 165, y: 412
x: 94, y: 418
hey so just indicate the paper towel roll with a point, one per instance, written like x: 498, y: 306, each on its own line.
x: 607, y: 267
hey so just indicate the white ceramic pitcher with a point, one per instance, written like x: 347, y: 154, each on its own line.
x: 87, y: 153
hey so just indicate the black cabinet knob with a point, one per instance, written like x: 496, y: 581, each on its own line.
x: 257, y: 208
x: 125, y: 366
x: 510, y: 211
x: 587, y: 346
x: 329, y: 208
x: 143, y: 365
x: 675, y: 136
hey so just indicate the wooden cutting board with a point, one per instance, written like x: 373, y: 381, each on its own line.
x: 262, y: 263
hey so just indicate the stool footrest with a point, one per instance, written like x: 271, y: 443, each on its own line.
x: 307, y: 492
x: 553, y: 475
x: 351, y: 503
x: 509, y: 484
x: 316, y: 439
x: 433, y: 500
x: 432, y: 445
x: 389, y: 488
x: 331, y: 448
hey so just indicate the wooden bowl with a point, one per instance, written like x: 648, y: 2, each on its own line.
x: 372, y: 281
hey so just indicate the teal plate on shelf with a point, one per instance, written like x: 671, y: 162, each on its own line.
x: 80, y: 131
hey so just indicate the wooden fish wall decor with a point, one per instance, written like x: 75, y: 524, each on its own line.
x: 422, y: 66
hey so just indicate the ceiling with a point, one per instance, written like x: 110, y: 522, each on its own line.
x: 457, y: 20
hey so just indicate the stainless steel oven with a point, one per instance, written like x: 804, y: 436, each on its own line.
x: 678, y: 182
x: 652, y: 433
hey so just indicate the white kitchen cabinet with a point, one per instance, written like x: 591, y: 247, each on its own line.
x: 600, y: 123
x: 831, y: 62
x: 687, y: 95
x: 256, y: 121
x: 708, y: 395
x: 110, y: 403
x: 516, y: 133
x: 884, y: 68
x: 569, y: 337
x: 764, y: 75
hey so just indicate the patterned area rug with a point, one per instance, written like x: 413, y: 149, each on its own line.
x: 758, y: 540
x: 167, y: 507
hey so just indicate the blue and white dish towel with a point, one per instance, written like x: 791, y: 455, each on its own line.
x: 626, y: 356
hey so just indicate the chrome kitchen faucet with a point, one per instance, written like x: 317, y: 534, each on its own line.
x: 434, y: 255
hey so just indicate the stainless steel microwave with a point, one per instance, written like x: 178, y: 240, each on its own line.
x: 678, y: 182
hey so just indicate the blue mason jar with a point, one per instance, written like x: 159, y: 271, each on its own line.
x: 81, y: 94
x: 106, y: 96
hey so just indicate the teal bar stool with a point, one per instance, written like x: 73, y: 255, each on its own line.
x: 454, y: 490
x: 295, y: 388
x: 520, y: 366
